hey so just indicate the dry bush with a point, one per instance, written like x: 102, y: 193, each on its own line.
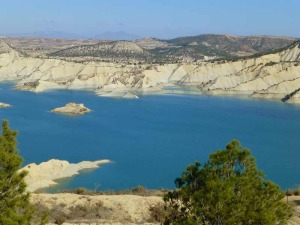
x: 58, y: 215
x: 61, y: 213
x: 294, y: 191
x: 139, y: 190
x: 41, y: 214
x: 158, y: 213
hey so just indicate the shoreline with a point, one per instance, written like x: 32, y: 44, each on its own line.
x: 179, y: 90
x: 263, y: 76
x: 47, y: 174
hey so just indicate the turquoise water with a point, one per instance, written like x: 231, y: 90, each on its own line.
x: 151, y: 139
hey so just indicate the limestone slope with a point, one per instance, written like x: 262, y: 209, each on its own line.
x: 275, y: 75
x: 45, y: 174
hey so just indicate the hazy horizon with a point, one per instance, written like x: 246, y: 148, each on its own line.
x: 118, y: 35
x: 161, y: 19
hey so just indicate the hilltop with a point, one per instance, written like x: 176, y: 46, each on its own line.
x: 234, y: 45
x: 183, y: 49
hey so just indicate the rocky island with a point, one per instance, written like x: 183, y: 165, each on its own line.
x: 4, y: 105
x: 72, y: 108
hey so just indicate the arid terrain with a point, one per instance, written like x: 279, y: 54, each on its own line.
x: 260, y: 67
x: 121, y: 209
x: 273, y: 75
x: 149, y: 49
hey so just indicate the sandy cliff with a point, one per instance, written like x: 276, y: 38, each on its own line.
x: 274, y: 75
x: 45, y: 174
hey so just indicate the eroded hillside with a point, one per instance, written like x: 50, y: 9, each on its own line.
x: 274, y: 75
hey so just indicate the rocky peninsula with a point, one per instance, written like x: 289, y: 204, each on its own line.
x: 72, y: 108
x: 45, y: 174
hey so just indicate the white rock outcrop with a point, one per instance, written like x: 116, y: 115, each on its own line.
x: 275, y: 75
x: 45, y: 174
x: 4, y: 105
x: 72, y: 108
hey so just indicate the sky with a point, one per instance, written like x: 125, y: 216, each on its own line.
x: 152, y: 18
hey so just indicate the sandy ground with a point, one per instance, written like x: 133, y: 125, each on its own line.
x: 116, y: 209
x: 295, y: 220
x: 120, y: 209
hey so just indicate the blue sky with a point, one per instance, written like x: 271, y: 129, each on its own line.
x: 152, y: 18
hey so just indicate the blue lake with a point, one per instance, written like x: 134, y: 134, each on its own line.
x: 152, y: 139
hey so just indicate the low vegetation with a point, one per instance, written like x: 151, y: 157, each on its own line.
x: 290, y: 95
x: 227, y: 189
x: 15, y: 207
x: 61, y: 213
x: 140, y: 191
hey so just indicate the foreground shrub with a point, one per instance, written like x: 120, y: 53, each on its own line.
x: 228, y: 189
x: 158, y: 213
x: 15, y: 208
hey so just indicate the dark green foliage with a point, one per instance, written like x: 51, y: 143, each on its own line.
x: 15, y: 208
x: 293, y: 191
x: 158, y: 213
x: 271, y: 63
x: 228, y: 189
x: 290, y: 95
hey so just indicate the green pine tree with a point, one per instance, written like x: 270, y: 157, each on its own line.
x: 15, y: 208
x: 227, y: 190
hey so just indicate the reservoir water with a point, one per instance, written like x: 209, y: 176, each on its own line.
x: 151, y: 139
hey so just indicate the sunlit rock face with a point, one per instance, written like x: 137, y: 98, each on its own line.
x: 44, y: 174
x: 273, y: 75
x: 72, y: 108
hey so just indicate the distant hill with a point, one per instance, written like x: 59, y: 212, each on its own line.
x: 234, y: 45
x: 183, y: 49
x: 106, y: 51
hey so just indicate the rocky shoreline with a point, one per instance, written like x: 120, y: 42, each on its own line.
x: 45, y: 174
x: 274, y: 75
